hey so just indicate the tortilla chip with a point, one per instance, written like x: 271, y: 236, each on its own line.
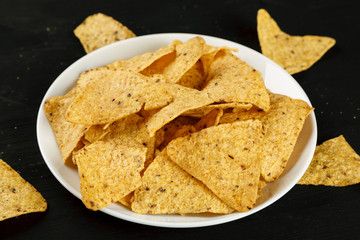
x: 194, y: 77
x: 184, y: 99
x: 131, y: 132
x: 108, y: 172
x: 211, y: 119
x: 187, y: 54
x: 282, y: 125
x: 141, y: 62
x: 167, y: 189
x: 17, y: 196
x: 157, y: 67
x: 232, y: 80
x: 225, y: 158
x: 119, y: 93
x: 95, y: 132
x: 334, y: 163
x: 172, y: 127
x: 293, y: 53
x: 209, y: 56
x: 67, y: 134
x: 184, y: 130
x: 203, y: 111
x: 99, y: 30
x: 126, y: 201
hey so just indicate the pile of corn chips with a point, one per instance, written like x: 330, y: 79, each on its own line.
x: 188, y: 128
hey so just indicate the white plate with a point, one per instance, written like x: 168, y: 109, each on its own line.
x: 276, y: 79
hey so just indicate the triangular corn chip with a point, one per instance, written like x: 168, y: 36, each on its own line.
x: 96, y: 132
x: 99, y: 30
x: 232, y: 80
x: 194, y: 77
x: 282, y: 125
x: 17, y: 196
x: 67, y: 134
x: 209, y: 56
x: 184, y: 99
x: 187, y: 54
x: 140, y: 62
x: 225, y: 158
x: 108, y: 172
x: 131, y: 132
x: 293, y: 53
x: 211, y: 119
x: 167, y: 189
x: 334, y: 163
x: 172, y: 127
x: 119, y: 93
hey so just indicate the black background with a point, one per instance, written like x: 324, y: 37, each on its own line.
x: 37, y: 44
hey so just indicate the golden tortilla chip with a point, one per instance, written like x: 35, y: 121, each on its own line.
x: 172, y: 127
x: 95, y: 132
x: 203, y: 111
x: 67, y: 134
x: 119, y: 93
x: 184, y: 99
x: 108, y: 172
x: 17, y: 196
x: 187, y: 54
x: 184, y: 130
x: 209, y: 56
x: 232, y: 80
x: 282, y: 125
x: 127, y: 200
x: 334, y: 163
x: 225, y: 158
x: 99, y: 30
x: 157, y: 67
x: 141, y: 62
x: 131, y: 132
x: 211, y: 119
x: 293, y: 53
x: 194, y: 77
x: 167, y: 189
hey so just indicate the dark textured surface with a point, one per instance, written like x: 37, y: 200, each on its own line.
x: 37, y: 44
